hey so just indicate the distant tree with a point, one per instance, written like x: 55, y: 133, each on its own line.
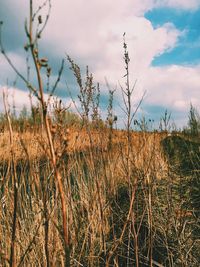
x: 194, y: 121
x: 24, y: 113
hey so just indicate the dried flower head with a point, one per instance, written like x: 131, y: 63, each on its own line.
x: 35, y: 52
x: 40, y: 19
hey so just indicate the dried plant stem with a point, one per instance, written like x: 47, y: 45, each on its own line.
x: 119, y: 241
x: 64, y: 218
x: 14, y: 220
x: 50, y: 141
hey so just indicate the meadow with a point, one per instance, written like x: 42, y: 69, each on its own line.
x: 131, y: 200
x: 77, y: 191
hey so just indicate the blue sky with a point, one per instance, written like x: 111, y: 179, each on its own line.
x: 188, y: 49
x: 163, y: 38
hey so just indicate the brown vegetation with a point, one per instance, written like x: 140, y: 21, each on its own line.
x: 80, y: 193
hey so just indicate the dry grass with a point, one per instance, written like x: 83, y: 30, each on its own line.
x: 80, y: 140
x: 85, y: 197
x: 98, y: 199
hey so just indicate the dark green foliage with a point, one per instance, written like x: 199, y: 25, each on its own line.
x: 193, y: 128
x: 183, y: 154
x: 184, y: 160
x: 194, y: 122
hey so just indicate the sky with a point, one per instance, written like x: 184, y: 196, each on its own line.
x: 163, y: 38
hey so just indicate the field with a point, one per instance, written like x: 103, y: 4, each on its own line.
x: 75, y: 189
x: 127, y: 200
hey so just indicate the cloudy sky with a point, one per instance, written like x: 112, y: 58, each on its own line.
x: 163, y: 38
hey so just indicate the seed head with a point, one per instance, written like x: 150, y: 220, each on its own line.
x: 48, y: 71
x: 26, y: 47
x: 40, y: 19
x: 35, y: 52
x: 44, y: 60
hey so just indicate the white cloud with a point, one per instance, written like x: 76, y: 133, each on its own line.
x: 91, y: 32
x: 184, y: 4
x: 6, y: 72
x: 173, y: 86
x: 144, y: 43
x: 93, y: 35
x: 14, y: 97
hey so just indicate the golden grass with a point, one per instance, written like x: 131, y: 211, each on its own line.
x: 143, y: 144
x: 94, y: 175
